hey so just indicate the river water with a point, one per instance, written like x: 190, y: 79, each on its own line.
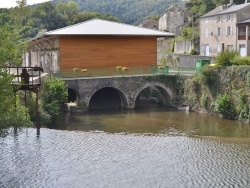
x: 142, y: 148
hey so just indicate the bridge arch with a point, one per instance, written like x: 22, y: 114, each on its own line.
x: 163, y: 89
x: 124, y: 102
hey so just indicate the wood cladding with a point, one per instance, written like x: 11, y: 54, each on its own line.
x: 107, y: 51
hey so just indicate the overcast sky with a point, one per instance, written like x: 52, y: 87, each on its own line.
x: 12, y: 3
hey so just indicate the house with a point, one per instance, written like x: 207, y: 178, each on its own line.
x: 149, y: 23
x: 173, y: 19
x: 94, y: 44
x: 225, y: 27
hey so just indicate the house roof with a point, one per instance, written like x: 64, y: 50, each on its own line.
x: 172, y: 7
x: 213, y: 12
x: 245, y: 21
x: 102, y: 27
x: 225, y: 9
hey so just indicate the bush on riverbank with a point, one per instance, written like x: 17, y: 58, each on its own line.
x: 207, y: 91
x: 54, y: 95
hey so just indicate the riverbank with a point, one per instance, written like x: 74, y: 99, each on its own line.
x: 223, y: 91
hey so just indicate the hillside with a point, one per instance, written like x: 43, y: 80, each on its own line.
x: 128, y: 11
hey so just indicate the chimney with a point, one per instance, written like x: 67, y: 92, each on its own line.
x: 232, y: 1
x: 246, y: 1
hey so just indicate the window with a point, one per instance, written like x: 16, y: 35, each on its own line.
x: 229, y: 17
x: 229, y: 30
x: 219, y: 48
x: 218, y: 18
x: 206, y: 33
x: 206, y: 20
x: 218, y: 31
x: 207, y: 50
x: 242, y: 33
x: 230, y: 47
x: 242, y: 50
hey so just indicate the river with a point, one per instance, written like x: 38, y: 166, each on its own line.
x: 157, y: 147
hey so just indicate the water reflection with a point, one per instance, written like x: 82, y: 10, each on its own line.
x: 142, y: 148
x: 89, y: 159
x: 161, y: 120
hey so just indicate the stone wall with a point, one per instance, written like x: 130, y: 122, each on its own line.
x: 128, y: 87
x: 181, y: 60
x: 183, y: 46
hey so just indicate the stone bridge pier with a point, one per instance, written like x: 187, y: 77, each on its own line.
x: 128, y: 88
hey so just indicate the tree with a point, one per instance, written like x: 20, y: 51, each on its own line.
x: 72, y: 8
x: 11, y: 50
x: 21, y: 13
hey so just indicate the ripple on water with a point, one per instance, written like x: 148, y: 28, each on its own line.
x: 91, y: 159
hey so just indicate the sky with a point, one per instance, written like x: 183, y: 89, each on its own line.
x: 12, y: 3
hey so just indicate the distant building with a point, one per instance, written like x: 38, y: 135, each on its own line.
x: 226, y: 27
x: 150, y: 24
x: 173, y: 19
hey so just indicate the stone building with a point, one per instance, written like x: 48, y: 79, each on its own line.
x: 149, y: 23
x: 173, y: 19
x: 226, y: 27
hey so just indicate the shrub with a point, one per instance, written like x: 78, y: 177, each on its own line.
x: 245, y: 113
x: 225, y: 106
x: 15, y: 116
x: 209, y: 75
x: 54, y: 95
x: 226, y: 58
x: 194, y: 52
x: 241, y: 60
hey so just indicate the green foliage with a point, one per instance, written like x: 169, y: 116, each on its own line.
x: 206, y: 91
x: 226, y: 58
x: 225, y: 106
x: 209, y: 75
x: 11, y: 45
x: 241, y: 60
x: 11, y: 48
x: 194, y: 52
x: 47, y: 16
x: 245, y: 113
x: 15, y: 115
x: 128, y: 11
x: 54, y: 95
x: 44, y: 117
x: 189, y: 33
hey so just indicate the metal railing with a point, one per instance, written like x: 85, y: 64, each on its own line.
x: 131, y: 71
x: 25, y: 78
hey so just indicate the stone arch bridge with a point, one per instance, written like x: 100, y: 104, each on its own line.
x: 128, y: 87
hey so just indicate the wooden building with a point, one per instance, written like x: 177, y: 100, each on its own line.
x: 94, y: 44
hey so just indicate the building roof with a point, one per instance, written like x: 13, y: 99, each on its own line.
x: 106, y: 28
x: 245, y: 21
x: 213, y: 12
x: 225, y: 9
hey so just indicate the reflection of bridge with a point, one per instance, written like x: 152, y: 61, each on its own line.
x: 127, y: 87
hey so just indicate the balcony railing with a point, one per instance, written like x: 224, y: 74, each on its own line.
x: 25, y: 78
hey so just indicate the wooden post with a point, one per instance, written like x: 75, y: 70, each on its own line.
x: 38, y: 126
